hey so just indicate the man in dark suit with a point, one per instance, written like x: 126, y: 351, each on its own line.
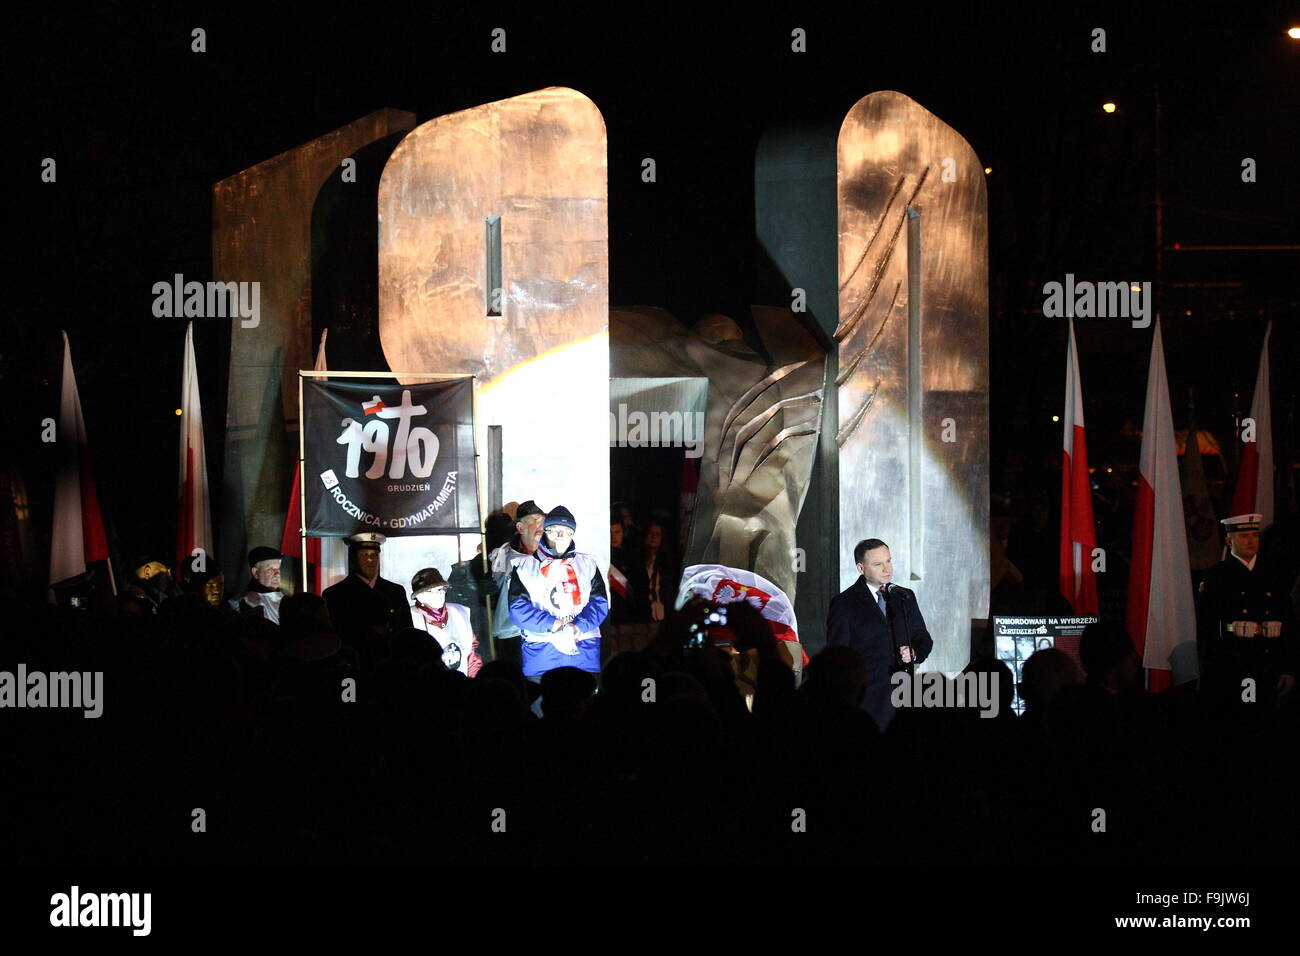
x: 882, y: 622
x: 1244, y: 621
x: 365, y: 607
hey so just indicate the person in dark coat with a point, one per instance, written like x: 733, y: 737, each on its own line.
x: 627, y: 599
x: 1244, y: 622
x: 882, y: 622
x: 364, y: 606
x: 149, y: 585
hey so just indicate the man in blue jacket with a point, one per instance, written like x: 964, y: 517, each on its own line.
x: 558, y: 601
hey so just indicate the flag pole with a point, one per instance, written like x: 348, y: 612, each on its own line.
x: 478, y: 497
x: 302, y: 491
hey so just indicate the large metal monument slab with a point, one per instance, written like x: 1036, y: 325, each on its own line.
x: 913, y: 360
x: 510, y: 196
x: 762, y: 418
x: 262, y: 231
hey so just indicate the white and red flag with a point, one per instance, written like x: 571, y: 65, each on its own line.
x: 1254, y: 492
x: 1160, y: 613
x: 194, y: 523
x: 1078, y: 532
x: 328, y: 557
x: 723, y: 585
x: 77, y: 537
x: 618, y: 581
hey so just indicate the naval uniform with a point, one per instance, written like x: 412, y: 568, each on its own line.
x: 1230, y: 592
x: 361, y: 613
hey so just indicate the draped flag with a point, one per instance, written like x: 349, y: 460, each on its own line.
x: 1078, y: 533
x: 194, y: 525
x: 724, y: 585
x: 77, y: 537
x: 1160, y: 614
x: 1254, y: 493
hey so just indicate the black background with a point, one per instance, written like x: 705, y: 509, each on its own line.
x: 142, y: 128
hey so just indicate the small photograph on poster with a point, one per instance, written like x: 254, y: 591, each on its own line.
x: 1016, y: 639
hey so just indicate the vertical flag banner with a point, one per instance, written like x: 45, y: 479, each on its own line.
x: 1078, y: 532
x: 1160, y: 613
x: 328, y: 557
x: 194, y: 524
x: 1254, y: 492
x: 77, y: 536
x: 396, y: 459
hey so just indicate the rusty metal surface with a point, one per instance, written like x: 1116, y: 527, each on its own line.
x: 262, y: 232
x: 539, y: 162
x: 760, y: 434
x: 893, y: 155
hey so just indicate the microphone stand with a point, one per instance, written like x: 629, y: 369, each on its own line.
x: 889, y: 602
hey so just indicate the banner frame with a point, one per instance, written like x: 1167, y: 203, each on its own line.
x: 431, y: 378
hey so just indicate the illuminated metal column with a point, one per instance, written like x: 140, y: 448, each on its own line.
x: 516, y: 189
x: 262, y: 231
x: 913, y: 357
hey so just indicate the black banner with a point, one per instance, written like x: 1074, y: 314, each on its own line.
x: 394, y: 459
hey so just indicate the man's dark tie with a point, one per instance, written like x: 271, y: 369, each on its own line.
x: 880, y: 601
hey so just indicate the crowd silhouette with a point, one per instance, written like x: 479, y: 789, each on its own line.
x: 254, y: 725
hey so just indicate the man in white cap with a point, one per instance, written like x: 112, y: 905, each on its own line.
x: 1244, y: 621
x: 558, y: 601
x: 363, y: 605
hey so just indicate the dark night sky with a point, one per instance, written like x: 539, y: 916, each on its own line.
x: 142, y: 128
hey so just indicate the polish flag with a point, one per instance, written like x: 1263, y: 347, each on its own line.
x: 194, y: 525
x: 618, y: 581
x: 373, y: 407
x: 723, y: 585
x: 77, y: 537
x: 328, y: 557
x: 1254, y: 493
x: 1078, y: 533
x: 1160, y: 614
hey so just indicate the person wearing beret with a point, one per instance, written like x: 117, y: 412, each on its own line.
x: 263, y: 595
